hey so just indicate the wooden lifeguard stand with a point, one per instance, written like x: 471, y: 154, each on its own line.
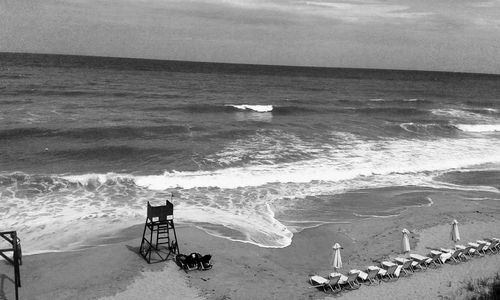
x: 159, y: 243
x: 16, y: 259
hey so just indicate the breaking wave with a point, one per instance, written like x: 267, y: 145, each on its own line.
x: 231, y: 108
x: 429, y: 128
x: 257, y: 108
x: 479, y: 127
x: 457, y: 114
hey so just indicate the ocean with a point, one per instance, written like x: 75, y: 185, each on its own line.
x: 246, y: 152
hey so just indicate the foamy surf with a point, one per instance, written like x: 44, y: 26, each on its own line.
x: 353, y: 160
x: 233, y: 201
x: 457, y: 113
x: 429, y: 128
x: 478, y: 127
x: 252, y: 229
x: 376, y: 216
x: 256, y: 108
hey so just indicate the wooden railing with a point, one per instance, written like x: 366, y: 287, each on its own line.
x: 16, y: 258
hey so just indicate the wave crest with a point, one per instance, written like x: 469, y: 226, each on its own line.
x: 479, y: 127
x: 429, y: 128
x: 256, y: 108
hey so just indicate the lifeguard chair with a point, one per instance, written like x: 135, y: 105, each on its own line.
x: 159, y: 242
x: 17, y: 257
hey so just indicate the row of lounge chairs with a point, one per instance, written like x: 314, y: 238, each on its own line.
x: 392, y: 270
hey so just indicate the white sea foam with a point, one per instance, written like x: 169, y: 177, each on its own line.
x: 478, y: 127
x: 264, y: 147
x: 375, y: 216
x: 352, y: 158
x: 416, y: 127
x: 257, y: 108
x: 457, y: 113
x: 407, y: 126
x: 346, y: 161
x: 430, y: 202
x: 259, y: 226
x: 483, y: 199
x: 491, y: 110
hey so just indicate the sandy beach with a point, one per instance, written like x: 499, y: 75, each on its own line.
x: 245, y: 271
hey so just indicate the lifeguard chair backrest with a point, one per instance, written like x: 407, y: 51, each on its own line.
x: 170, y: 208
x: 162, y: 212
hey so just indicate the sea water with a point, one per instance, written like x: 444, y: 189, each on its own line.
x: 249, y: 153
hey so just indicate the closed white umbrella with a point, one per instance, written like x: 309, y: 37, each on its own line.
x: 405, y: 243
x: 455, y: 235
x: 336, y: 259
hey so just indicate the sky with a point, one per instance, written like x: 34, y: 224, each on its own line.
x: 441, y: 35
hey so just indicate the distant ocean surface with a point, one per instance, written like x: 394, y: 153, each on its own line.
x: 249, y: 153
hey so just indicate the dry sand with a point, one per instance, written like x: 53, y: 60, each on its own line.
x: 245, y: 271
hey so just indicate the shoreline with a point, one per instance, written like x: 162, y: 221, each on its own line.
x: 246, y: 271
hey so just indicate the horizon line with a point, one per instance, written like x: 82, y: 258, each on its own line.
x: 248, y: 64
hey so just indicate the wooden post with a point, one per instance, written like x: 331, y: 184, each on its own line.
x: 11, y: 237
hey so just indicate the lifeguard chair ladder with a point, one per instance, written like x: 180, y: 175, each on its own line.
x: 16, y: 258
x: 159, y: 223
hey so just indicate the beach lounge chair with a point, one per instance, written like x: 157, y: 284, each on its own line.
x: 485, y: 245
x: 435, y: 259
x: 351, y: 281
x: 380, y: 272
x: 497, y: 247
x: 321, y: 282
x: 455, y: 254
x: 415, y: 266
x: 490, y: 246
x: 477, y: 247
x: 367, y: 277
x: 420, y: 262
x: 370, y: 278
x: 467, y: 251
x: 393, y: 272
x: 362, y: 276
x: 495, y: 244
x: 439, y: 257
x: 406, y: 265
x: 390, y: 271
